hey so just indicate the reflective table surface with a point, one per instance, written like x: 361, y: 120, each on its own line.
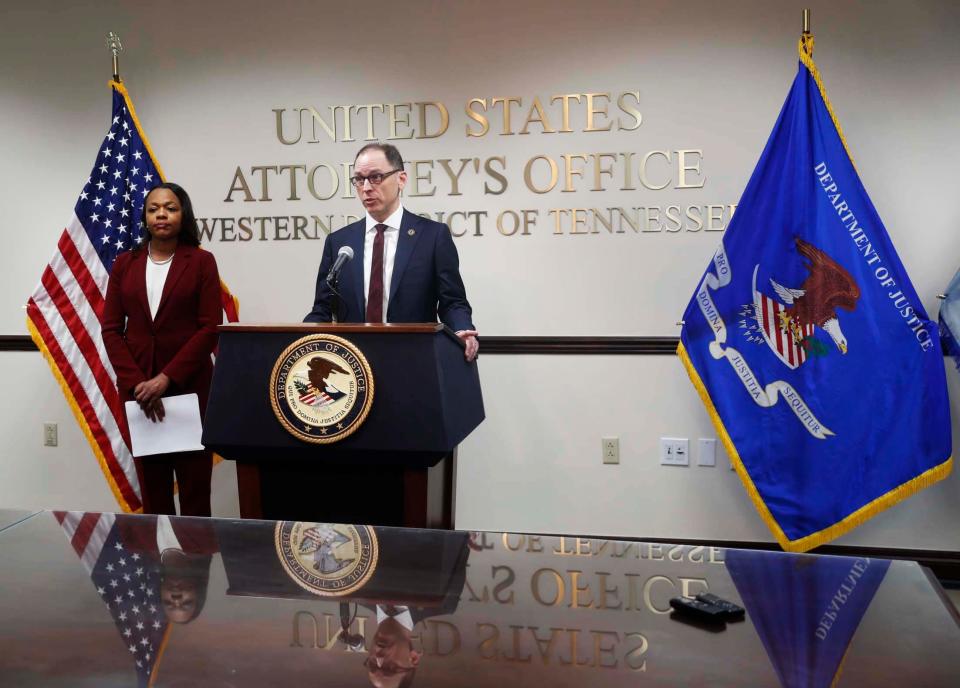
x: 11, y: 517
x: 113, y: 600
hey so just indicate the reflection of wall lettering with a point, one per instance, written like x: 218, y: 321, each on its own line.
x: 437, y: 638
x: 323, y: 189
x: 324, y: 636
x: 586, y: 547
x: 579, y: 589
x: 629, y: 592
x: 570, y: 647
x: 498, y: 590
x: 575, y: 648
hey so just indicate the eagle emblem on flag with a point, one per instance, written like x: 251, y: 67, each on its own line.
x: 788, y: 325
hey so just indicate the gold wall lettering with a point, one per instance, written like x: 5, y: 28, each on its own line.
x: 660, y: 169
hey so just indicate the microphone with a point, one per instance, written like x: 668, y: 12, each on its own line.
x: 354, y: 641
x: 343, y: 257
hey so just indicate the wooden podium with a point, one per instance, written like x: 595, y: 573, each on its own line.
x: 396, y: 469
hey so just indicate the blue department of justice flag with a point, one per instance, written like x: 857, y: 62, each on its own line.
x: 808, y: 344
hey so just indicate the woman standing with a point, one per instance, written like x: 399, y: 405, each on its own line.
x: 159, y: 328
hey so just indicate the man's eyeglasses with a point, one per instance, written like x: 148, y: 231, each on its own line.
x: 375, y: 179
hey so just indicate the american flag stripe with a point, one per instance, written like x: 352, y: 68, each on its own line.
x: 113, y: 455
x: 95, y: 268
x: 84, y: 344
x: 64, y: 313
x: 71, y: 258
x: 768, y: 315
x: 230, y: 303
x: 789, y: 348
x: 86, y: 312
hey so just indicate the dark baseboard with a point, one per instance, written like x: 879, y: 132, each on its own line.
x: 636, y: 346
x: 493, y: 346
x: 17, y: 342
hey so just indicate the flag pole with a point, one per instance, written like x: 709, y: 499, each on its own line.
x: 115, y: 46
x: 806, y: 38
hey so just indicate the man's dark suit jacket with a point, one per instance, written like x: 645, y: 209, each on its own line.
x: 180, y: 339
x: 425, y: 285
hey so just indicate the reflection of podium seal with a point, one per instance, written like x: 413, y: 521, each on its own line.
x: 321, y: 388
x: 329, y: 560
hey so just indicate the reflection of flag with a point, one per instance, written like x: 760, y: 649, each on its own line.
x: 808, y: 344
x: 127, y: 582
x: 950, y: 320
x: 805, y: 609
x: 63, y: 313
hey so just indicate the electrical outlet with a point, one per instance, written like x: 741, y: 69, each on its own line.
x: 611, y: 449
x: 49, y: 434
x: 674, y: 451
x: 707, y: 454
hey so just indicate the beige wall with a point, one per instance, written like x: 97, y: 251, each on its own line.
x: 206, y: 78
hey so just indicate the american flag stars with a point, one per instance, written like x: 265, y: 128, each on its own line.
x: 127, y: 169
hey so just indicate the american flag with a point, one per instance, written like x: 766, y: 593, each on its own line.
x: 64, y: 312
x: 127, y: 582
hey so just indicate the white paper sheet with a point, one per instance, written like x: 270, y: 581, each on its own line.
x: 179, y: 431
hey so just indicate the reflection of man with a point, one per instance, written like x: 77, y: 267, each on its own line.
x: 405, y: 268
x: 392, y: 660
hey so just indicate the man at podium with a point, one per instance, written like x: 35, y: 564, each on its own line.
x: 391, y: 266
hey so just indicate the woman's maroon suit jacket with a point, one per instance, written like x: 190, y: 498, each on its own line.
x: 180, y: 339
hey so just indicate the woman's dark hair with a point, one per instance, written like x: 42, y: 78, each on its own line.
x: 189, y: 232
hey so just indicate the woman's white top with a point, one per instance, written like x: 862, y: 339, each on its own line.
x: 156, y: 277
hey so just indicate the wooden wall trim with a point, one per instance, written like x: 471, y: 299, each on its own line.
x: 495, y: 346
x: 637, y: 346
x: 17, y: 342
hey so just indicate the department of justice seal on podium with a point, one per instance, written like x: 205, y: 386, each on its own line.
x: 327, y: 559
x: 321, y: 388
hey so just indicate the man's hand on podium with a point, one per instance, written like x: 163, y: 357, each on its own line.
x: 469, y: 338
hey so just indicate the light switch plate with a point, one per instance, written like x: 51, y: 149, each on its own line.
x: 674, y: 451
x: 707, y: 454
